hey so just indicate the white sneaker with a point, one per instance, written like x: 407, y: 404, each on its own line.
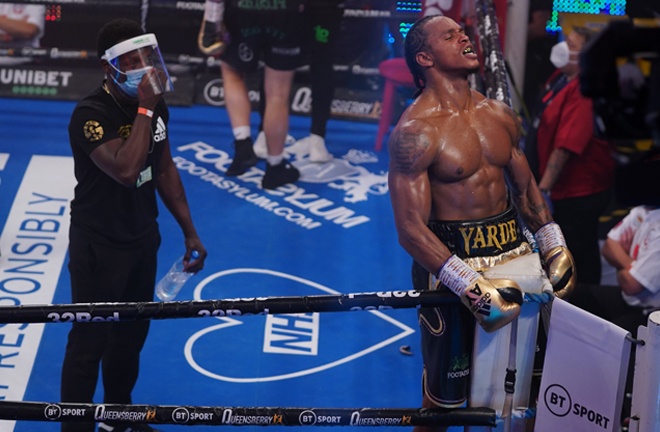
x: 317, y: 151
x: 289, y: 140
x: 260, y: 147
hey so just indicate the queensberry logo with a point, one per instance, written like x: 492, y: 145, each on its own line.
x: 267, y: 340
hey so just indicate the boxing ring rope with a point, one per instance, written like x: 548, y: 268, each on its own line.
x: 246, y: 416
x: 99, y: 312
x: 235, y: 416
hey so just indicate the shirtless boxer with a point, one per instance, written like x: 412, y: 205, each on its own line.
x: 460, y: 189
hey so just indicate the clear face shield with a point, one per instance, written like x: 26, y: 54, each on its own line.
x: 134, y: 58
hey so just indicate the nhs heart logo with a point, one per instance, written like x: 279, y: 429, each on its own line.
x: 261, y: 348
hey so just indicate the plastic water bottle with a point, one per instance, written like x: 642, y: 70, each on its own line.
x: 170, y: 285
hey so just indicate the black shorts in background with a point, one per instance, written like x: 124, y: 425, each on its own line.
x: 275, y: 37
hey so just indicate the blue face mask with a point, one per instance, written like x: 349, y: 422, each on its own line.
x: 133, y: 78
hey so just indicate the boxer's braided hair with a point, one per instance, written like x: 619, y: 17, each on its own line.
x: 416, y: 42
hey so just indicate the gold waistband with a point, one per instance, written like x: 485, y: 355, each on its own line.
x: 485, y: 262
x: 493, y: 235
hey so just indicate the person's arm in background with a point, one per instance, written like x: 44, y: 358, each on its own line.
x: 616, y: 251
x: 18, y: 29
x: 29, y: 27
x: 615, y: 254
x: 558, y: 160
x: 572, y: 137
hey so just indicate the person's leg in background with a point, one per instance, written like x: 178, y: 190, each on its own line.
x: 277, y: 90
x: 325, y: 19
x: 260, y: 147
x: 238, y: 106
x: 283, y: 52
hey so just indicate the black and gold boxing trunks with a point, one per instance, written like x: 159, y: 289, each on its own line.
x: 447, y: 331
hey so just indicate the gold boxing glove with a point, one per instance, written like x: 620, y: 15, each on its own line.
x: 557, y: 259
x: 212, y: 38
x: 493, y: 302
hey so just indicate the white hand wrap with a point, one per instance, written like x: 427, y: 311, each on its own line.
x: 557, y: 259
x: 456, y: 275
x: 549, y: 236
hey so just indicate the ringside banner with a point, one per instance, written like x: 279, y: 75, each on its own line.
x: 584, y: 372
x: 34, y: 245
